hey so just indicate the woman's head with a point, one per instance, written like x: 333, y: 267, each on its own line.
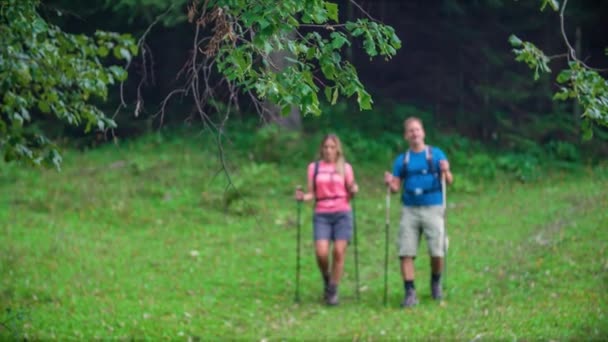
x: 331, y: 151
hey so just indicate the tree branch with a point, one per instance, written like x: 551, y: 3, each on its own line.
x: 362, y: 10
x: 571, y: 52
x: 141, y: 45
x: 325, y: 26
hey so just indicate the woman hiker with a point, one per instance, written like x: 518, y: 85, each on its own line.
x: 331, y: 184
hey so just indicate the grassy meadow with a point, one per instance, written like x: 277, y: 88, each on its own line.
x: 145, y: 240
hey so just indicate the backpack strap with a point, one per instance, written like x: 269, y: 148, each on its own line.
x: 406, y: 161
x: 429, y: 159
x: 314, y: 180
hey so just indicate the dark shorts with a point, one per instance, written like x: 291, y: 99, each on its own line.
x: 333, y: 226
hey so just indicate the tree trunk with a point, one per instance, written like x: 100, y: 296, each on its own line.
x: 272, y: 112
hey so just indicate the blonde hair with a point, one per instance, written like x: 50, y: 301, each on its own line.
x: 340, y: 162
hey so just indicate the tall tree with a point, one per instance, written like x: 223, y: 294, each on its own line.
x: 579, y: 81
x: 60, y: 74
x: 285, y: 53
x: 47, y: 72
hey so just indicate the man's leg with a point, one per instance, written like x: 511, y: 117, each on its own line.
x: 409, y: 235
x: 407, y: 268
x: 436, y: 265
x: 436, y: 269
x: 434, y: 230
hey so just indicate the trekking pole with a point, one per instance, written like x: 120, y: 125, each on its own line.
x: 299, y: 209
x: 445, y: 234
x: 356, y: 251
x: 388, y: 207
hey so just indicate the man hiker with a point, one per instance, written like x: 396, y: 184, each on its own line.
x: 417, y: 173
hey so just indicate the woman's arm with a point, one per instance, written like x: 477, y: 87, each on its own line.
x: 308, y: 195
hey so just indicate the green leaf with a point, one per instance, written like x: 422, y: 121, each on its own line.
x: 310, y: 54
x: 370, y: 46
x: 103, y: 51
x: 334, y: 99
x: 563, y: 94
x: 267, y: 46
x: 332, y: 11
x: 124, y: 53
x: 364, y: 100
x: 293, y: 21
x: 395, y: 41
x: 134, y: 50
x: 121, y: 53
x: 515, y: 41
x: 553, y: 3
x: 17, y: 120
x: 263, y: 23
x: 38, y: 25
x: 119, y: 73
x: 25, y: 114
x: 357, y: 32
x: 327, y: 91
x: 338, y: 40
x: 564, y: 76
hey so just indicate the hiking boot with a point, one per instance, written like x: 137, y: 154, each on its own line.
x: 410, y: 299
x: 436, y: 290
x: 331, y: 295
x: 332, y: 299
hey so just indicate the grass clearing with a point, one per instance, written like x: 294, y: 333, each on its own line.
x: 136, y: 242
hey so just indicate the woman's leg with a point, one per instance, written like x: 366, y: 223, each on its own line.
x: 338, y: 261
x: 322, y: 237
x: 343, y: 229
x: 322, y: 254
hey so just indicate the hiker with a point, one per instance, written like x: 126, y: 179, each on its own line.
x: 331, y: 184
x: 417, y: 173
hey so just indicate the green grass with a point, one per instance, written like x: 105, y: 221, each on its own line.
x: 136, y: 242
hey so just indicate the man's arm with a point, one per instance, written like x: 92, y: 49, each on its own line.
x: 444, y: 165
x: 394, y: 183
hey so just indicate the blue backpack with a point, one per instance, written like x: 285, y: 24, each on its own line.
x: 431, y: 169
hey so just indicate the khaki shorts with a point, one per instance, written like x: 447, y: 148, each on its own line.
x: 421, y: 219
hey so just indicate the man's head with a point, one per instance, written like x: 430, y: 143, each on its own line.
x: 414, y: 132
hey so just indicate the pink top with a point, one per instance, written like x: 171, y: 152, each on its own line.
x: 331, y: 192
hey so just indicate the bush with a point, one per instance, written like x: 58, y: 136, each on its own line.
x: 524, y: 167
x: 253, y: 180
x: 562, y: 150
x: 276, y: 145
